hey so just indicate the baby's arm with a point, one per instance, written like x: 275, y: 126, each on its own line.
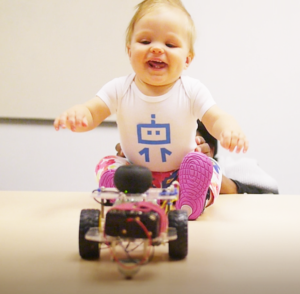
x: 225, y: 128
x: 83, y: 117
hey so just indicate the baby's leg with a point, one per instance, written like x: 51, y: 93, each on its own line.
x: 164, y: 179
x: 215, y: 183
x: 195, y: 175
x: 106, y: 168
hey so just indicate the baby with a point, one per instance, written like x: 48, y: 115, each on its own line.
x: 157, y: 108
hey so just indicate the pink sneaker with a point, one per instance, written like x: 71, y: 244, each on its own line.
x: 195, y: 174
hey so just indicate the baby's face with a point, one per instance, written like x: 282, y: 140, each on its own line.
x: 159, y: 49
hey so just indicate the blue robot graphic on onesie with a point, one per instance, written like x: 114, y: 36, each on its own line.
x: 156, y: 134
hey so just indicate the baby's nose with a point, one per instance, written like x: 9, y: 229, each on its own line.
x: 157, y: 50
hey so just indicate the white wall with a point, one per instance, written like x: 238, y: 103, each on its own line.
x: 34, y: 157
x: 51, y: 52
x: 247, y: 53
x: 248, y: 56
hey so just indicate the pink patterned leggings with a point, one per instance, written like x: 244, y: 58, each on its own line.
x: 107, y: 166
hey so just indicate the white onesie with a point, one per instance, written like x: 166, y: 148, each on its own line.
x: 157, y: 132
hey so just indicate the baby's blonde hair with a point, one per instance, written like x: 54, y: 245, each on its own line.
x: 149, y: 5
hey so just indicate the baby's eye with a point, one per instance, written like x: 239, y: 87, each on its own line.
x: 145, y: 42
x: 170, y: 45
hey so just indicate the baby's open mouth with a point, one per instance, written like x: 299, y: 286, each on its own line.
x: 157, y: 64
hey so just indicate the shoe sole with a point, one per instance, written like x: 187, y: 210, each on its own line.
x: 195, y: 174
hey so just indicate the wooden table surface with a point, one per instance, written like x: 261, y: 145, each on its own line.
x: 242, y: 244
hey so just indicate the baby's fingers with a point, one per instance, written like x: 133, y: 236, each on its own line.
x: 76, y: 119
x: 225, y: 140
x: 60, y: 122
x: 234, y: 141
x: 243, y: 144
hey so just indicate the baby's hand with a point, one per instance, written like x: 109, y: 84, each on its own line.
x: 72, y: 118
x: 234, y: 140
x: 202, y: 146
x: 119, y: 150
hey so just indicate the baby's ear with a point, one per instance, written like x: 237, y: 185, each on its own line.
x: 188, y: 60
x: 128, y: 49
